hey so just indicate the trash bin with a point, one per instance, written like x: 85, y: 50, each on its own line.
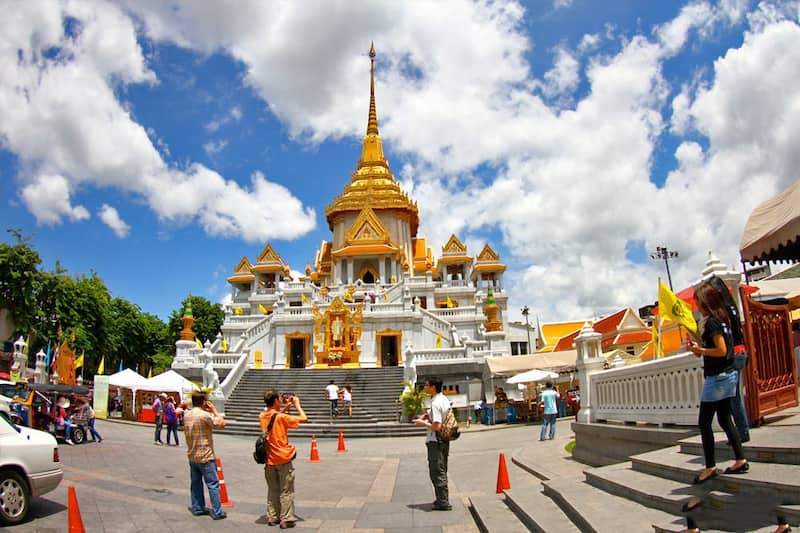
x: 487, y: 415
x: 511, y: 415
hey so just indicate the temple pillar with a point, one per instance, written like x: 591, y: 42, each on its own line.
x: 590, y: 361
x: 349, y: 270
x: 382, y: 268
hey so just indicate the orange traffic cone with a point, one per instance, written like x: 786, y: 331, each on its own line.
x: 74, y: 512
x: 502, y: 475
x: 314, y: 450
x: 223, y: 490
x: 341, y: 448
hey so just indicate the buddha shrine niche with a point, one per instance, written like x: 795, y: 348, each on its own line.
x: 337, y: 332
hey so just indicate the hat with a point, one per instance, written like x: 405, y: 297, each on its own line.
x: 63, y: 402
x: 162, y: 395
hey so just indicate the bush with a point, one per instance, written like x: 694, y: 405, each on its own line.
x: 413, y: 400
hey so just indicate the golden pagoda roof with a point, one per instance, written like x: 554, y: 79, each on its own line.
x: 373, y: 184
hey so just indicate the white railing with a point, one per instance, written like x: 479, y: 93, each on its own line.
x: 441, y: 356
x: 395, y: 292
x: 295, y: 285
x: 434, y: 323
x: 385, y: 308
x: 236, y: 373
x: 241, y: 298
x: 242, y: 321
x: 299, y: 310
x: 225, y: 360
x: 454, y: 312
x: 265, y: 291
x: 457, y: 283
x: 258, y: 331
x: 664, y: 391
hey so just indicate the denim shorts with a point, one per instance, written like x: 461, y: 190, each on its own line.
x: 719, y: 387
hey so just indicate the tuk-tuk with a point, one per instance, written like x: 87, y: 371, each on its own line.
x: 36, y: 406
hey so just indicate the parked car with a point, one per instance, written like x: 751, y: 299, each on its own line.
x: 29, y: 467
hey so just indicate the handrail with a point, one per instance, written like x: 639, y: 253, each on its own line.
x: 236, y: 373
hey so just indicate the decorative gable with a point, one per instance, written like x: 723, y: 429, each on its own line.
x: 454, y: 247
x: 268, y: 255
x: 243, y: 267
x: 367, y: 229
x: 488, y: 255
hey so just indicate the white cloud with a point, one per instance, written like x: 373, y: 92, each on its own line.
x: 111, y: 218
x: 63, y: 119
x: 212, y: 147
x: 563, y: 78
x: 47, y: 197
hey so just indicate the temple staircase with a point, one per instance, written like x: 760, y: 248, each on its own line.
x: 376, y: 406
x: 647, y: 492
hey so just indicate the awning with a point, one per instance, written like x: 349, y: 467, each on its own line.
x: 532, y: 376
x: 564, y: 361
x: 772, y: 232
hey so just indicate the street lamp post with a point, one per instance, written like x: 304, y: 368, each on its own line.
x: 663, y: 253
x: 525, y: 311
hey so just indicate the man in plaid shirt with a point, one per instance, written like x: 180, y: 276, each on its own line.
x: 198, y: 427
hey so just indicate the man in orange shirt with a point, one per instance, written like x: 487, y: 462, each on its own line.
x: 279, y: 470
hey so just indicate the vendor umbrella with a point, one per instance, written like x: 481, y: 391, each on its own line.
x: 532, y: 376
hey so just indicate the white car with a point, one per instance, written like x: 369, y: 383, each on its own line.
x: 29, y: 467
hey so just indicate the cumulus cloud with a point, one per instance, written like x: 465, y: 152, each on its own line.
x: 111, y: 218
x: 60, y: 66
x: 47, y: 197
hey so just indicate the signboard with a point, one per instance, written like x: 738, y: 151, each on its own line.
x: 100, y: 397
x: 258, y: 360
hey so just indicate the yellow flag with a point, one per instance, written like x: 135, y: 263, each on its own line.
x: 102, y: 367
x: 238, y: 311
x: 658, y: 350
x: 224, y: 345
x: 199, y: 344
x: 671, y: 307
x: 150, y: 373
x: 304, y: 298
x: 450, y: 303
x: 385, y: 296
x: 78, y: 362
x: 348, y: 297
x: 262, y: 309
x: 438, y: 340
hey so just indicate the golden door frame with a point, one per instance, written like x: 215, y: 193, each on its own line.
x: 287, y: 339
x: 379, y: 335
x: 368, y: 268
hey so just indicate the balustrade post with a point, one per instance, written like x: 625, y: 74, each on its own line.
x: 589, y: 361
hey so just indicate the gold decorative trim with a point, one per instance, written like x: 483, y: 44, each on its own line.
x: 454, y: 246
x: 243, y: 267
x: 488, y: 255
x: 287, y: 339
x: 389, y: 333
x: 269, y: 255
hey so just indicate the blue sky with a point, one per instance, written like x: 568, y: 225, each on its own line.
x: 157, y: 142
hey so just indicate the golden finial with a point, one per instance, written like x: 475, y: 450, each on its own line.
x: 372, y: 124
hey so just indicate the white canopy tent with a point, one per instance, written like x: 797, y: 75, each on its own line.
x: 169, y: 381
x: 532, y: 376
x: 127, y: 379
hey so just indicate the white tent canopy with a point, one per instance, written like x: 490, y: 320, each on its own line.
x: 127, y: 379
x: 532, y: 376
x: 169, y: 381
x: 772, y: 232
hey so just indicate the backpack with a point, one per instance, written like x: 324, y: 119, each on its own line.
x: 262, y: 442
x: 449, y: 429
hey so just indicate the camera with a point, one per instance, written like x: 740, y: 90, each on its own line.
x: 287, y: 397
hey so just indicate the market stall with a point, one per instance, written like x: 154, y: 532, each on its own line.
x: 126, y: 382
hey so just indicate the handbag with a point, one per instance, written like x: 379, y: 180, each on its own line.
x: 260, y: 453
x: 449, y: 430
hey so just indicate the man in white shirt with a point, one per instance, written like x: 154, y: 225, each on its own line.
x: 333, y: 397
x: 437, y: 451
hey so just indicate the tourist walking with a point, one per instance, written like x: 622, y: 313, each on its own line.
x: 347, y: 396
x: 171, y: 418
x: 549, y: 397
x: 438, y: 451
x: 333, y: 397
x: 158, y: 411
x: 88, y: 414
x: 198, y: 428
x: 720, y: 380
x: 279, y: 468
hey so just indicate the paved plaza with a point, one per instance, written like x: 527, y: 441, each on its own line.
x: 128, y: 484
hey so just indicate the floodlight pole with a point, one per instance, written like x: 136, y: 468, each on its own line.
x: 525, y: 312
x: 663, y: 253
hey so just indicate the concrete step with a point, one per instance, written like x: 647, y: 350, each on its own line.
x: 538, y: 512
x: 649, y: 490
x: 492, y: 515
x: 330, y: 430
x: 791, y: 513
x: 595, y: 511
x: 779, y: 481
x: 767, y: 444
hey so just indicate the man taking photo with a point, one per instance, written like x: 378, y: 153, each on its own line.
x: 279, y: 469
x: 198, y: 427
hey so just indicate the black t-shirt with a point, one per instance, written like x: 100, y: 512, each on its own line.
x: 716, y: 365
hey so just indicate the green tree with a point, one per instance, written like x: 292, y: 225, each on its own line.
x: 208, y: 319
x: 19, y: 269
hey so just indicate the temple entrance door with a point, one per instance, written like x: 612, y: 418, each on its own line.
x: 368, y: 278
x: 389, y: 347
x: 297, y: 351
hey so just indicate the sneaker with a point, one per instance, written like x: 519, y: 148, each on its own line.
x: 441, y: 507
x: 200, y: 513
x: 222, y: 516
x: 158, y: 443
x: 68, y: 441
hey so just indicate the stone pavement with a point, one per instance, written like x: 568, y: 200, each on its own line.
x: 128, y: 484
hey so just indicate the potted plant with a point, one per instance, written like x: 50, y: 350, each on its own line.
x: 412, y: 401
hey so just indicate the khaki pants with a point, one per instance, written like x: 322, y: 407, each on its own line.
x: 280, y: 491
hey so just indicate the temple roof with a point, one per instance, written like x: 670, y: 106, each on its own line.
x: 373, y: 184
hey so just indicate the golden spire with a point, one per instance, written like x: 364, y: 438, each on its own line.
x: 372, y: 184
x: 372, y: 123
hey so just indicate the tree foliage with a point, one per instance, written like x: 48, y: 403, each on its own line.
x: 208, y: 319
x: 19, y: 265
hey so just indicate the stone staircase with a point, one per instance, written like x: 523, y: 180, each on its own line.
x: 376, y: 405
x: 647, y: 492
